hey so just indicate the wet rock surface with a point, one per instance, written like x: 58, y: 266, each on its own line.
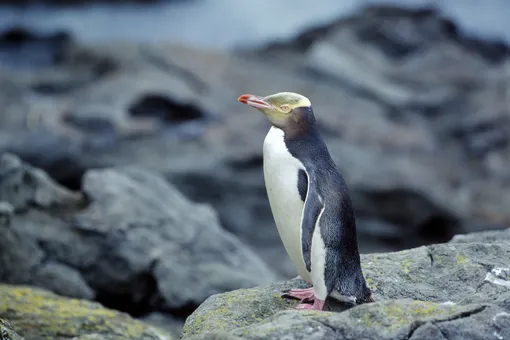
x: 447, y: 291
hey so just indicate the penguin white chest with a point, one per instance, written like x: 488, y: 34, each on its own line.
x: 281, y: 178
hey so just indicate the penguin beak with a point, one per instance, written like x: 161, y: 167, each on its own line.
x: 254, y: 101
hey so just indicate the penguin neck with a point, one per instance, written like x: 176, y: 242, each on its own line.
x: 302, y: 123
x: 307, y: 145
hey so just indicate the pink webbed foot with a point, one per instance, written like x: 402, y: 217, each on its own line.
x: 305, y: 295
x: 317, y: 305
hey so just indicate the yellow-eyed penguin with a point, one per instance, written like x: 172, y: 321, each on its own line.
x: 310, y: 203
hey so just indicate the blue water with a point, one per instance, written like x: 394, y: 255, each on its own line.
x: 231, y: 23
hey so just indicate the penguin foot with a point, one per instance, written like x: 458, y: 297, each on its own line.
x: 317, y: 305
x: 305, y: 295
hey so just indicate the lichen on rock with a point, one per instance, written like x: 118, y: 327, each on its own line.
x: 425, y: 291
x: 39, y: 314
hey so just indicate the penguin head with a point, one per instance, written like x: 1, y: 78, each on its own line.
x: 282, y: 109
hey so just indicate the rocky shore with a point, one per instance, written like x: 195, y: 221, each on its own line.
x: 457, y: 290
x: 131, y: 183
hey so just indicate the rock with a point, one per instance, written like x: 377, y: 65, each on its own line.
x: 239, y: 308
x: 166, y: 322
x: 62, y: 279
x: 416, y: 291
x: 137, y: 244
x: 21, y: 48
x: 6, y: 211
x: 24, y: 186
x: 218, y: 335
x: 400, y: 319
x: 7, y: 333
x: 491, y: 236
x: 39, y: 314
x: 215, y: 336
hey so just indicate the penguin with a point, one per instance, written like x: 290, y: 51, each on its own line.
x: 310, y: 203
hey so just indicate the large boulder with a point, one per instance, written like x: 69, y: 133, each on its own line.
x: 129, y: 239
x: 490, y: 236
x: 39, y: 314
x: 459, y: 290
x: 395, y: 320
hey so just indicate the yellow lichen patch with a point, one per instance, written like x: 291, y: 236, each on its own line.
x: 438, y: 259
x: 396, y: 314
x: 460, y: 259
x: 370, y: 283
x: 228, y: 311
x: 37, y: 313
x: 406, y: 265
x: 423, y: 308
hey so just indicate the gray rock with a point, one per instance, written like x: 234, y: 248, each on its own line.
x: 39, y: 314
x: 416, y: 291
x: 137, y: 242
x: 7, y: 333
x: 62, y: 279
x: 215, y: 336
x: 23, y: 186
x: 167, y: 322
x: 401, y: 319
x: 6, y: 211
x: 491, y: 236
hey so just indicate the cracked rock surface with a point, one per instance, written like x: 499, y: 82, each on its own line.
x: 444, y: 291
x: 129, y: 240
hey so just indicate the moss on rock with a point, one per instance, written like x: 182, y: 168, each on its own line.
x: 395, y: 314
x: 227, y: 311
x: 401, y: 283
x: 38, y: 314
x: 380, y: 320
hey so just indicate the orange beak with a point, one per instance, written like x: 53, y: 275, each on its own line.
x: 254, y: 101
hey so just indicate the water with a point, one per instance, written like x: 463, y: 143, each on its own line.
x: 226, y: 24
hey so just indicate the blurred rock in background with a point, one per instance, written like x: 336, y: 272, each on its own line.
x: 414, y: 107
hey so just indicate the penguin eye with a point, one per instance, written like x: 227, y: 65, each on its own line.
x: 285, y: 108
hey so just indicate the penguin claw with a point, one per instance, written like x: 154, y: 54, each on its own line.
x: 303, y: 306
x: 305, y: 295
x: 317, y: 305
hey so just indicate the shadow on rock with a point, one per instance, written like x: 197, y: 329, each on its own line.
x: 21, y: 48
